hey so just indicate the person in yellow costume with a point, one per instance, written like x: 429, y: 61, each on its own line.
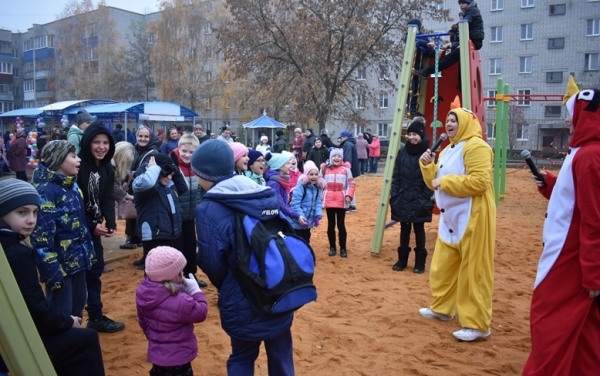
x: 462, y: 268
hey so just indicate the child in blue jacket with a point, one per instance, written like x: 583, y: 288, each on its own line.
x: 62, y: 242
x: 155, y: 193
x: 307, y: 200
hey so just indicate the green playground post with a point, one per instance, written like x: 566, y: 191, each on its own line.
x: 505, y: 108
x: 498, y: 136
x: 20, y: 344
x: 403, y: 88
x: 465, y: 66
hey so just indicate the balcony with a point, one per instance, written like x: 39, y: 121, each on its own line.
x: 6, y: 97
x: 44, y: 73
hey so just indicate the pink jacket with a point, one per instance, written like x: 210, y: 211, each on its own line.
x: 340, y: 184
x: 293, y: 180
x: 375, y: 148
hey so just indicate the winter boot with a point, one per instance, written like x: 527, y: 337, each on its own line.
x: 402, y: 259
x: 343, y: 253
x: 128, y: 244
x: 332, y: 251
x: 420, y: 257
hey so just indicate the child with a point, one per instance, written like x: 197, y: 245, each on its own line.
x: 63, y: 244
x: 227, y: 195
x: 188, y: 201
x: 83, y: 120
x: 240, y: 156
x: 293, y: 171
x: 155, y: 197
x: 277, y: 178
x: 306, y: 200
x: 337, y: 197
x: 319, y: 153
x: 264, y: 146
x: 168, y: 305
x: 96, y: 179
x: 256, y: 167
x: 72, y: 349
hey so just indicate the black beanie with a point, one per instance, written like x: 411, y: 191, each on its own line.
x: 415, y: 21
x: 279, y: 133
x: 417, y: 127
x: 465, y: 1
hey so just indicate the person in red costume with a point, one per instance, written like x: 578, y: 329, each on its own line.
x: 565, y: 315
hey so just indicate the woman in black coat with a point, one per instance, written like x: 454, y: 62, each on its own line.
x: 319, y: 153
x: 411, y: 200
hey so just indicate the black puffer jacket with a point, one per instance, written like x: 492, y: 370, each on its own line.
x: 351, y: 155
x: 476, y: 28
x: 410, y: 199
x: 318, y: 156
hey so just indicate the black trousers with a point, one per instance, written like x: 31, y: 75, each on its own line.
x: 131, y: 231
x: 304, y: 234
x: 452, y: 58
x: 75, y: 352
x: 94, y: 284
x: 186, y: 243
x: 405, y: 228
x: 21, y: 175
x: 340, y: 214
x: 182, y: 370
x: 151, y: 244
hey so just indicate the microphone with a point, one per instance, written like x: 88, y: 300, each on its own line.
x: 439, y: 142
x: 534, y: 170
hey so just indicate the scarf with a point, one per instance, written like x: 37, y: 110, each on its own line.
x: 283, y: 180
x: 419, y: 148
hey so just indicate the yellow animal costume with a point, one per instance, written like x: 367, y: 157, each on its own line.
x: 462, y: 268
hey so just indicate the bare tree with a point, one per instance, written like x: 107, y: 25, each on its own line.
x: 306, y: 53
x: 516, y: 120
x: 137, y: 67
x: 87, y: 53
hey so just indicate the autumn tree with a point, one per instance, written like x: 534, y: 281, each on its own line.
x: 87, y: 53
x: 516, y: 120
x: 308, y: 53
x: 184, y: 52
x: 137, y: 65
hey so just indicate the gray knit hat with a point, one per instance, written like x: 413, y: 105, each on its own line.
x: 83, y: 116
x: 213, y: 160
x: 55, y: 152
x: 15, y: 193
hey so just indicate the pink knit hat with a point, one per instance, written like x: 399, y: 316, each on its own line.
x: 309, y: 166
x: 238, y: 149
x: 164, y: 264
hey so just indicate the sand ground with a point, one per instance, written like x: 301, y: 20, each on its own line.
x: 366, y: 319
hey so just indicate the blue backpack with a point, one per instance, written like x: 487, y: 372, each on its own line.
x: 274, y: 267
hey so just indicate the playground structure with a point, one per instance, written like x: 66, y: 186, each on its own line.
x: 443, y: 91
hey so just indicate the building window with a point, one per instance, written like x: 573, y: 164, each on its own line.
x: 208, y: 76
x: 382, y: 130
x: 496, y: 34
x: 41, y: 85
x: 17, y: 91
x: 527, y: 32
x: 491, y: 127
x: 16, y: 54
x: 361, y: 74
x: 523, y: 97
x: 497, y: 5
x: 554, y: 77
x: 525, y: 64
x: 208, y: 103
x: 93, y: 54
x: 592, y: 28
x: 29, y: 67
x: 90, y: 31
x: 522, y: 132
x: 28, y: 45
x: 359, y: 101
x: 495, y: 66
x: 6, y: 68
x: 552, y: 111
x: 526, y: 3
x: 491, y: 94
x: 556, y: 43
x: 384, y: 72
x: 16, y: 72
x: 591, y: 62
x: 28, y: 86
x: 558, y: 9
x: 383, y: 101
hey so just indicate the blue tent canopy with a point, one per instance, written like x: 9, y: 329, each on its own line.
x: 26, y: 112
x: 264, y: 122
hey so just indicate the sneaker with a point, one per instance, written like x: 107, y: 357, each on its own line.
x: 421, y: 73
x: 200, y: 282
x: 466, y: 334
x: 352, y: 209
x: 105, y: 325
x: 428, y: 313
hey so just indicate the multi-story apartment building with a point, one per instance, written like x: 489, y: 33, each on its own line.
x: 534, y: 46
x: 7, y: 71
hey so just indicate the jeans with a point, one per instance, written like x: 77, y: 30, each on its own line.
x: 94, y: 284
x: 364, y: 165
x: 374, y: 162
x: 71, y: 297
x: 280, y: 356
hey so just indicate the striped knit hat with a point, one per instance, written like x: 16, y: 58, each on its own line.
x: 15, y: 193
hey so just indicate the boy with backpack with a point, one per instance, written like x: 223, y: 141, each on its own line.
x: 228, y: 198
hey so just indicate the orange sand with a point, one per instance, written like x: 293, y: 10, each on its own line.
x: 365, y: 321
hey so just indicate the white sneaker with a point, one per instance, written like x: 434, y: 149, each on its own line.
x: 466, y: 334
x: 428, y: 313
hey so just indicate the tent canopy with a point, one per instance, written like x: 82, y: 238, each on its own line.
x: 64, y: 105
x: 264, y: 122
x: 26, y: 112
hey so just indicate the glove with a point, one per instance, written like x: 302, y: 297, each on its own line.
x: 328, y: 163
x: 316, y: 221
x: 190, y: 286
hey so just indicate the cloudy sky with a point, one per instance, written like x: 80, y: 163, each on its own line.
x: 20, y: 15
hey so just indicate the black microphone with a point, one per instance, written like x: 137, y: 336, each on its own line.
x: 439, y: 142
x: 534, y: 170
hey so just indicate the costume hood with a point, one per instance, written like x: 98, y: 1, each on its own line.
x: 468, y: 125
x: 584, y: 108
